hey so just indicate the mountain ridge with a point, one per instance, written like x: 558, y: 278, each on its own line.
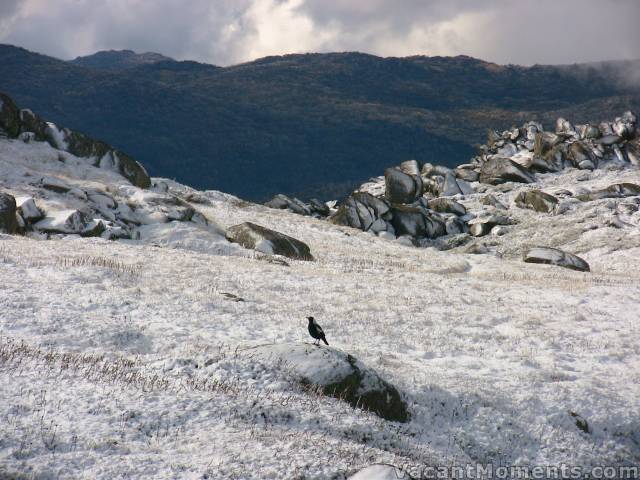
x: 117, y: 60
x: 305, y: 124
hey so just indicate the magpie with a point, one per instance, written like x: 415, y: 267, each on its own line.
x: 315, y: 331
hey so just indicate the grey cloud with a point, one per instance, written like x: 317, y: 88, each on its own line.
x: 231, y: 31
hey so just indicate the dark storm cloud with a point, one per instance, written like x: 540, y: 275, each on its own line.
x: 231, y: 31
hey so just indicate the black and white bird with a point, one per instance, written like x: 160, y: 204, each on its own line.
x: 315, y: 331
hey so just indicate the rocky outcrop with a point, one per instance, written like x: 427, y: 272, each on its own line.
x: 8, y: 219
x: 553, y: 256
x: 314, y: 208
x: 28, y: 126
x: 338, y: 374
x: 533, y: 149
x: 412, y: 201
x: 267, y: 241
x: 536, y: 200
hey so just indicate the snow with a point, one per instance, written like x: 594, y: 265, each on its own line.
x: 378, y: 472
x: 70, y: 221
x: 57, y: 135
x: 321, y: 366
x: 188, y: 236
x: 134, y: 358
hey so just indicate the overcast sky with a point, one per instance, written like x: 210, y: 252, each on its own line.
x: 226, y: 32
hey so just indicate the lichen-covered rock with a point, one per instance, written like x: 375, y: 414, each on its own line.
x: 554, y: 256
x: 8, y: 210
x: 536, y: 200
x: 499, y: 170
x: 338, y: 374
x: 268, y: 241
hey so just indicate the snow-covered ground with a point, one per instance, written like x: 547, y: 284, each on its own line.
x: 132, y: 359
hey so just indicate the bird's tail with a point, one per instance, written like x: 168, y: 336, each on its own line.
x: 325, y: 340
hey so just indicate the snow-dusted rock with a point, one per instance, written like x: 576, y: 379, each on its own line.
x: 430, y: 170
x: 554, y: 256
x: 446, y: 205
x: 8, y: 220
x: 536, y: 200
x: 361, y: 210
x: 283, y: 202
x: 581, y: 156
x: 608, y: 140
x: 501, y: 170
x: 410, y: 167
x: 564, y: 127
x: 54, y: 184
x: 450, y: 187
x: 625, y: 126
x: 492, y: 201
x: 455, y: 226
x: 467, y: 172
x: 30, y: 122
x: 264, y: 240
x: 401, y: 187
x: 338, y: 374
x: 66, y: 222
x: 481, y: 226
x: 28, y: 209
x: 617, y: 190
x: 416, y: 222
x: 319, y: 208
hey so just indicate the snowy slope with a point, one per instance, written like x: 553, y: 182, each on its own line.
x: 133, y: 359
